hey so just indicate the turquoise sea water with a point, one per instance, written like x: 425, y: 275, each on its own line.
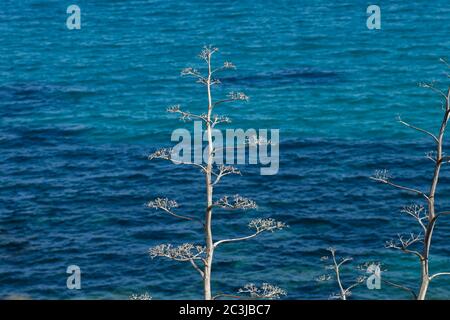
x: 80, y: 110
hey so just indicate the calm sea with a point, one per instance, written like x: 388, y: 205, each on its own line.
x: 80, y: 111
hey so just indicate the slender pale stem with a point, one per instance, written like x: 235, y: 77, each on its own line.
x: 338, y: 276
x: 431, y: 203
x: 209, y: 191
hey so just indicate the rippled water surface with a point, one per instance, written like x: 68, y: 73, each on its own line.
x: 81, y: 110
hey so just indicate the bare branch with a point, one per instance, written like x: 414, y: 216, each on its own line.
x: 448, y: 99
x: 166, y: 154
x: 344, y: 293
x: 418, y: 212
x: 418, y: 129
x: 443, y: 213
x: 383, y: 177
x: 227, y: 295
x: 194, y: 73
x: 185, y: 115
x: 166, y: 205
x: 445, y: 159
x: 337, y: 272
x: 359, y: 280
x: 403, y: 244
x: 447, y: 64
x: 439, y: 274
x: 399, y: 286
x: 444, y: 62
x: 431, y: 155
x: 236, y: 239
x: 226, y: 65
x: 225, y: 171
x: 413, y: 238
x: 433, y: 88
x: 190, y: 72
x: 233, y: 96
x: 260, y: 225
x: 196, y: 267
x: 220, y: 119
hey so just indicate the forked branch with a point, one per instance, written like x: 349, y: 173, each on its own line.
x: 344, y: 292
x: 225, y: 171
x: 418, y: 129
x: 231, y: 97
x: 186, y: 252
x: 404, y: 244
x: 418, y: 212
x: 166, y: 206
x: 186, y: 115
x: 260, y: 226
x: 383, y: 177
x: 166, y: 154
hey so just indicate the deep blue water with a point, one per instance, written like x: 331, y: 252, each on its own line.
x: 81, y: 110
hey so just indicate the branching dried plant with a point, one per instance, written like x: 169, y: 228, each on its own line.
x: 336, y: 267
x: 417, y: 244
x: 201, y: 256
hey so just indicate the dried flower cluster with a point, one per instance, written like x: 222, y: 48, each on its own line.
x: 162, y: 203
x: 404, y: 244
x: 418, y: 212
x: 220, y: 119
x: 266, y: 291
x: 143, y: 296
x: 228, y: 65
x: 207, y: 52
x: 381, y: 175
x: 258, y: 141
x: 237, y: 202
x: 238, y: 96
x: 164, y: 153
x: 266, y: 225
x: 184, y: 252
x: 190, y: 72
